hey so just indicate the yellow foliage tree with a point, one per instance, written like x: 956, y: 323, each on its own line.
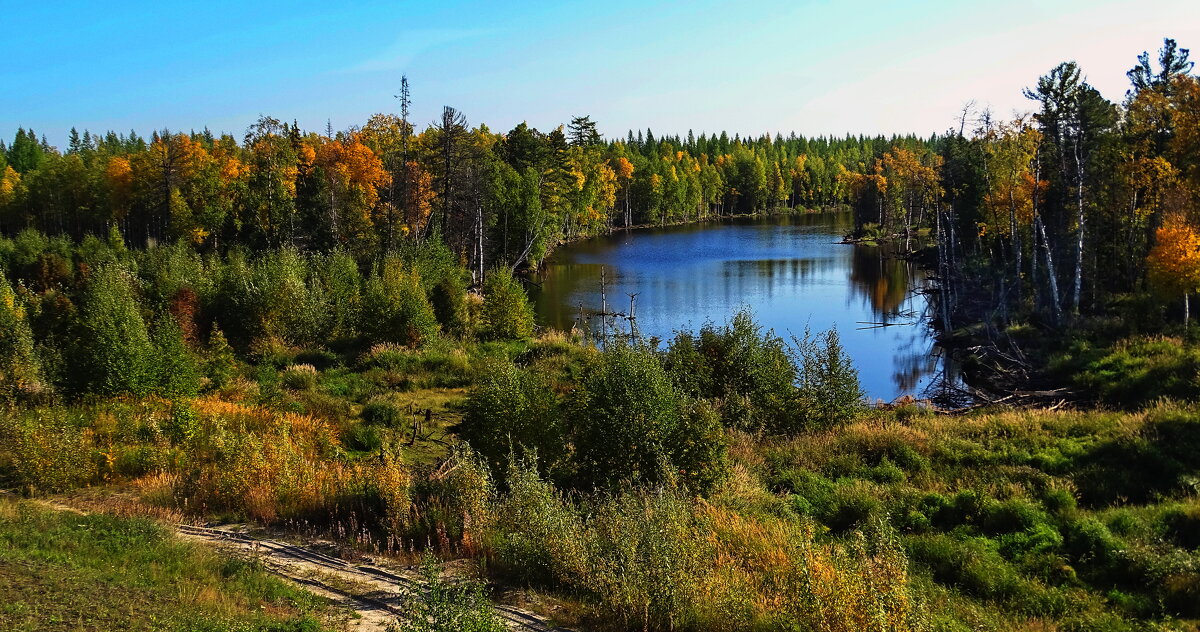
x: 1173, y: 266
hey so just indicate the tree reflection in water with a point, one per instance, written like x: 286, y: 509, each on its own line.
x: 791, y: 271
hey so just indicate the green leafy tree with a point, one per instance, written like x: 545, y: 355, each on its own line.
x: 747, y: 370
x: 19, y: 369
x: 178, y: 373
x: 221, y: 365
x: 449, y: 300
x: 628, y: 414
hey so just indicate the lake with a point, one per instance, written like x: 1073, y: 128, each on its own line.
x: 789, y: 270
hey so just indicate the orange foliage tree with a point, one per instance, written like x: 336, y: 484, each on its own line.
x: 1173, y: 266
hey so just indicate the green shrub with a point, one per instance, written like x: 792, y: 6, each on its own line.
x: 183, y: 424
x: 829, y: 391
x: 449, y: 300
x: 507, y: 314
x: 363, y: 438
x: 382, y: 412
x: 454, y: 502
x: 48, y: 450
x: 631, y: 425
x: 396, y: 308
x: 1089, y: 541
x: 648, y: 566
x: 341, y: 282
x: 812, y: 494
x: 300, y: 377
x: 700, y: 449
x: 20, y: 370
x: 738, y: 364
x: 178, y: 372
x: 512, y: 410
x: 538, y: 536
x: 221, y: 365
x: 440, y: 605
x: 1016, y: 514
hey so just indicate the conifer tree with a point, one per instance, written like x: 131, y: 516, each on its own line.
x: 115, y: 353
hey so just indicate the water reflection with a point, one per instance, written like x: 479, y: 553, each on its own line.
x: 791, y: 271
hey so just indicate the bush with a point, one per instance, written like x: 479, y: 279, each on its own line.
x: 454, y: 502
x: 221, y: 366
x: 300, y: 377
x: 178, y: 372
x: 629, y: 418
x: 513, y: 410
x: 507, y: 314
x: 20, y: 371
x: 363, y: 438
x: 338, y: 274
x: 382, y: 412
x: 449, y: 300
x: 49, y: 451
x: 750, y: 371
x: 538, y: 536
x: 829, y: 390
x: 395, y: 307
x: 439, y: 605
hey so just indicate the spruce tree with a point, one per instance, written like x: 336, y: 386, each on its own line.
x: 116, y: 355
x: 176, y: 369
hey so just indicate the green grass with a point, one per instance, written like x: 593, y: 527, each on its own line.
x: 65, y: 571
x: 1076, y: 520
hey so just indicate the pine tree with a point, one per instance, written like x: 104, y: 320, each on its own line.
x: 221, y: 364
x: 177, y: 371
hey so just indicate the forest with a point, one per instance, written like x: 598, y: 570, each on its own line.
x: 328, y: 335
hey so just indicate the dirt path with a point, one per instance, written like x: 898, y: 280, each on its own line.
x: 375, y: 594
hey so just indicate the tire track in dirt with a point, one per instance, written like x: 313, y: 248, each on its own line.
x: 376, y: 594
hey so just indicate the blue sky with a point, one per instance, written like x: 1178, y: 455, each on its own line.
x: 748, y: 67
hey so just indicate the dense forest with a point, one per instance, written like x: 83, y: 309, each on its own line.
x: 327, y: 335
x: 495, y: 199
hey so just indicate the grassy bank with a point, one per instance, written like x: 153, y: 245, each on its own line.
x: 60, y: 570
x: 884, y: 519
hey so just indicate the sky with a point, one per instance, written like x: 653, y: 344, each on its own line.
x: 746, y: 67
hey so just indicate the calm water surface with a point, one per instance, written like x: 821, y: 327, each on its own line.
x: 789, y: 270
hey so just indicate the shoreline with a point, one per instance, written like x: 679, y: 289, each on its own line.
x: 527, y: 271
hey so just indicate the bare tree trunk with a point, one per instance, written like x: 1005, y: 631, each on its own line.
x: 1016, y: 242
x: 1050, y: 272
x: 944, y: 270
x: 1080, y: 231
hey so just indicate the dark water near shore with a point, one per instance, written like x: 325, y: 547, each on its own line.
x: 789, y: 270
